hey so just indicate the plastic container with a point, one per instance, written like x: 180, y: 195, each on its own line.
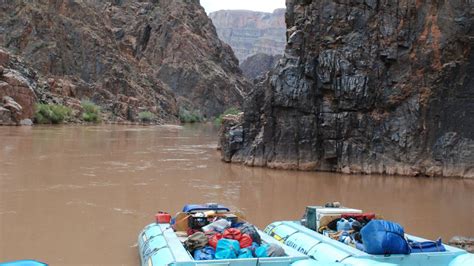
x: 314, y: 214
x: 345, y: 224
x: 162, y: 217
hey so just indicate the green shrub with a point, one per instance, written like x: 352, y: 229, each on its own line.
x: 91, y: 112
x: 230, y: 111
x: 186, y: 116
x: 146, y: 117
x: 51, y: 113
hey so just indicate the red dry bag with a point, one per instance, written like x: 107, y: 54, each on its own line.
x: 245, y: 241
x: 232, y: 233
x: 214, y: 239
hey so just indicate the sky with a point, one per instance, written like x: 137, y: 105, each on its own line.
x: 256, y: 5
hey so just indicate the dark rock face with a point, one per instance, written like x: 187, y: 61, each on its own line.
x: 258, y: 64
x: 231, y: 135
x: 368, y: 87
x: 251, y: 32
x: 127, y: 56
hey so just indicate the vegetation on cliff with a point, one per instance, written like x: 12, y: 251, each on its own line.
x: 91, y: 112
x: 146, y: 117
x: 230, y: 111
x: 190, y: 116
x: 51, y: 113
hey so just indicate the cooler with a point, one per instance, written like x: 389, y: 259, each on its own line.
x: 315, y: 214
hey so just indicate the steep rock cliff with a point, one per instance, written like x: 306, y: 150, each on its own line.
x: 128, y: 56
x: 21, y: 87
x: 17, y: 96
x: 258, y: 64
x: 366, y: 87
x: 251, y: 32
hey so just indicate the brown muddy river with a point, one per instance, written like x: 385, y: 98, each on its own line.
x: 79, y: 195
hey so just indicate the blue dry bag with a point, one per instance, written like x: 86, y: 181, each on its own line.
x: 245, y: 253
x: 227, y: 249
x: 383, y: 238
x: 262, y: 251
x: 206, y: 253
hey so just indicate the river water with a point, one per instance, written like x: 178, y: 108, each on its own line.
x: 79, y: 195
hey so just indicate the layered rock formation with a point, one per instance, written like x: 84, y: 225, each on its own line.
x: 366, y: 87
x: 127, y: 56
x: 21, y: 87
x: 251, y: 32
x: 258, y: 65
x: 17, y: 96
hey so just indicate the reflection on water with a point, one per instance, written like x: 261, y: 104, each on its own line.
x: 79, y: 195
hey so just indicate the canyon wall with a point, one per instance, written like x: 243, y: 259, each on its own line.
x: 365, y: 87
x: 258, y: 64
x: 127, y: 56
x: 251, y: 32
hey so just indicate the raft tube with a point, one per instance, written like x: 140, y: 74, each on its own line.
x: 159, y: 245
x: 23, y: 263
x: 326, y: 251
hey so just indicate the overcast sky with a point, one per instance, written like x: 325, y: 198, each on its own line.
x: 256, y: 5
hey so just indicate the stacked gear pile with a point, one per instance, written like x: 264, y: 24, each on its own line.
x: 234, y: 242
x: 374, y: 236
x: 214, y: 235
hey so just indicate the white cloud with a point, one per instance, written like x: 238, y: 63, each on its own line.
x: 256, y: 5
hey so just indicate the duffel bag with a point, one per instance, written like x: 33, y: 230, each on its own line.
x: 384, y: 238
x: 196, y: 241
x: 250, y: 230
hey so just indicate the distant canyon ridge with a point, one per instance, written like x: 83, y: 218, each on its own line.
x: 251, y: 32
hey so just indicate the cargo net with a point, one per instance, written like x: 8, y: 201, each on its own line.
x: 215, y: 235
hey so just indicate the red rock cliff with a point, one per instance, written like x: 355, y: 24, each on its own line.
x: 127, y: 56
